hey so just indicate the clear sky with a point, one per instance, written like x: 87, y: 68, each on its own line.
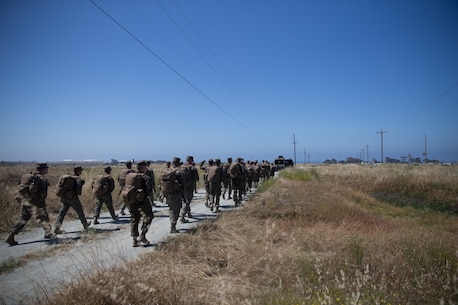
x: 126, y: 79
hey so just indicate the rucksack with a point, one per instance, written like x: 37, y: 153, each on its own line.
x: 29, y: 185
x: 187, y: 175
x: 133, y: 190
x: 235, y: 170
x: 168, y: 180
x: 66, y: 186
x: 122, y: 176
x: 100, y: 185
x: 212, y: 176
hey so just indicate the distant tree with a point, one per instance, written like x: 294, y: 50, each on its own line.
x: 354, y: 160
x: 392, y: 160
x: 114, y: 162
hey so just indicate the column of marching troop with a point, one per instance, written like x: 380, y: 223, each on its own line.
x: 177, y: 183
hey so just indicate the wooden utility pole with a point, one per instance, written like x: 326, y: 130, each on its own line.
x: 294, y: 143
x: 425, y: 154
x: 381, y: 132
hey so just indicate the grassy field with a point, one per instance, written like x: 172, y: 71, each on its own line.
x: 338, y: 234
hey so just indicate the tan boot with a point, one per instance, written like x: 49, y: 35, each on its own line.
x: 183, y: 220
x: 173, y: 228
x: 10, y: 240
x: 58, y: 230
x: 135, y: 242
x: 143, y: 240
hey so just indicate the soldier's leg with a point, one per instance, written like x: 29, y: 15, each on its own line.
x: 217, y: 195
x: 60, y: 217
x: 147, y: 213
x: 98, y: 208
x: 26, y: 214
x: 174, y: 203
x: 135, y: 215
x: 109, y: 204
x: 76, y: 205
x: 42, y: 217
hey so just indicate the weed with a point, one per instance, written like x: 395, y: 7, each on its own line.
x: 8, y: 265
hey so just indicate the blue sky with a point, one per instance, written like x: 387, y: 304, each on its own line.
x: 212, y: 79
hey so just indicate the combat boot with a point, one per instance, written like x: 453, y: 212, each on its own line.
x: 173, y: 228
x: 49, y: 235
x: 135, y: 242
x: 143, y: 240
x: 86, y: 225
x: 10, y: 240
x: 58, y: 230
x: 183, y: 220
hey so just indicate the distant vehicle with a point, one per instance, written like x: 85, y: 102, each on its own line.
x: 281, y: 163
x: 289, y: 162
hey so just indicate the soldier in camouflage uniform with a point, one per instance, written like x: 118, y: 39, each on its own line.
x: 73, y: 202
x: 33, y: 204
x: 152, y: 181
x: 141, y: 208
x: 238, y: 185
x: 105, y: 198
x: 189, y: 179
x: 172, y: 191
x: 227, y: 181
x: 215, y: 178
x: 122, y: 182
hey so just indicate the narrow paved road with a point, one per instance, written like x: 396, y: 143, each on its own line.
x: 51, y: 263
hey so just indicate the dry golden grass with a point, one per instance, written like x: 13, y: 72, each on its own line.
x: 314, y: 236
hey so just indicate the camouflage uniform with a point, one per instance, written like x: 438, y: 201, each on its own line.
x: 227, y: 181
x: 105, y: 198
x: 122, y: 182
x: 140, y: 209
x: 204, y: 167
x: 34, y: 205
x: 215, y: 185
x: 174, y: 198
x: 238, y: 184
x: 151, y: 184
x: 189, y: 178
x: 73, y: 202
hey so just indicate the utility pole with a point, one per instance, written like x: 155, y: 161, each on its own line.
x: 367, y: 151
x: 426, y: 156
x: 305, y: 157
x: 294, y: 143
x: 381, y: 132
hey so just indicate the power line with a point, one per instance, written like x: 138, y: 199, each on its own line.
x: 179, y: 74
x: 202, y: 56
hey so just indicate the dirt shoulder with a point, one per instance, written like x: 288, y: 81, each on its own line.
x: 47, y: 264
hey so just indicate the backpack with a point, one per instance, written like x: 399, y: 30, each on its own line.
x: 187, y: 175
x: 29, y: 185
x: 100, y: 185
x: 168, y: 180
x: 133, y: 190
x: 212, y: 176
x: 235, y: 170
x: 122, y: 176
x: 66, y: 186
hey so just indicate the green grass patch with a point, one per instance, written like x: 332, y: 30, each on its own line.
x: 9, y: 265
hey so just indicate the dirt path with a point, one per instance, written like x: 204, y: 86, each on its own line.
x: 51, y: 263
